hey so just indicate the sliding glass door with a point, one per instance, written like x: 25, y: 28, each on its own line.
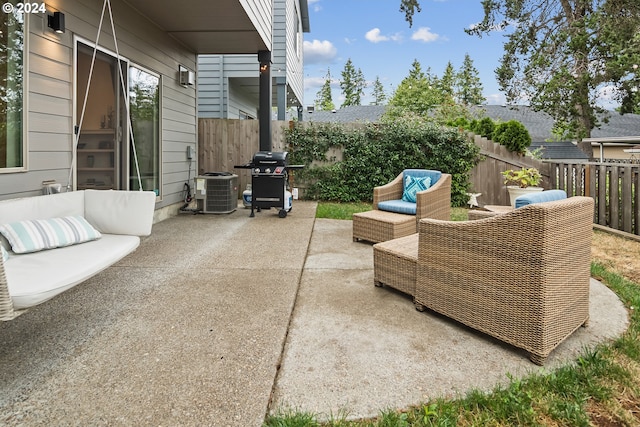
x: 116, y: 151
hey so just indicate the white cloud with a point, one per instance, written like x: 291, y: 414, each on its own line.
x: 424, y: 34
x: 316, y: 5
x: 374, y: 36
x: 319, y: 52
x: 496, y: 99
x: 315, y: 83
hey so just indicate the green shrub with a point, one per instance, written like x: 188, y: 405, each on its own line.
x: 374, y: 154
x: 483, y: 127
x: 513, y: 135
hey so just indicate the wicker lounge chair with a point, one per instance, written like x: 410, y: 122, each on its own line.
x: 521, y: 277
x: 392, y: 217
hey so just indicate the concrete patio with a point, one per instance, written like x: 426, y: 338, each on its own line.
x: 218, y: 320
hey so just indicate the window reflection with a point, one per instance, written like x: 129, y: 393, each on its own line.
x: 11, y: 88
x: 144, y: 102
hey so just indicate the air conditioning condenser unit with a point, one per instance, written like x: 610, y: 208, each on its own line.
x: 217, y: 192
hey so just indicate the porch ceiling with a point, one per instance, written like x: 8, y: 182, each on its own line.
x: 205, y: 26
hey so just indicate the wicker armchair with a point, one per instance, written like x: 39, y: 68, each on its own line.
x: 393, y: 217
x: 434, y: 202
x: 521, y: 277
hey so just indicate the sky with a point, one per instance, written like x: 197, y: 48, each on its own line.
x: 378, y: 40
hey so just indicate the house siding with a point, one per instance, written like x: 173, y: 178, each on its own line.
x: 50, y: 94
x: 215, y: 72
x: 294, y: 56
x: 217, y: 91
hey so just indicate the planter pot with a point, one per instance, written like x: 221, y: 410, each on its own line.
x: 515, y: 192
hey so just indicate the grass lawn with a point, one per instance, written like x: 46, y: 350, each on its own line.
x: 602, y: 387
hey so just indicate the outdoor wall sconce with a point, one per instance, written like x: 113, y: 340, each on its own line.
x: 186, y: 77
x: 56, y: 22
x: 264, y: 57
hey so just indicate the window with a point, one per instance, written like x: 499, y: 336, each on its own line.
x: 11, y: 90
x: 296, y: 36
x: 144, y: 105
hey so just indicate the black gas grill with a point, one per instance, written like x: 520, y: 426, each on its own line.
x: 269, y: 181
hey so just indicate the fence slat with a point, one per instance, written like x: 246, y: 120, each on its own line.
x: 614, y: 198
x: 626, y: 193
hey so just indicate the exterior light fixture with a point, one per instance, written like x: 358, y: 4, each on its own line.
x: 56, y: 22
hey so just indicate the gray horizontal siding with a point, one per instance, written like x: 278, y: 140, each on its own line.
x: 51, y: 104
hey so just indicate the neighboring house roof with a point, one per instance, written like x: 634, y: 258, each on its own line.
x: 539, y: 124
x: 559, y: 150
x: 350, y: 114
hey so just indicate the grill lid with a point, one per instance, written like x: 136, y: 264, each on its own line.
x: 270, y: 158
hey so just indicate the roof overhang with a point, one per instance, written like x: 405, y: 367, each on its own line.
x: 212, y: 27
x: 304, y: 14
x: 613, y: 140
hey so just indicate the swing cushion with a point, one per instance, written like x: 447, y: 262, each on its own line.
x: 32, y: 278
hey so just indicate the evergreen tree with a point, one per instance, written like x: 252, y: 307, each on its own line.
x: 352, y: 84
x: 378, y: 93
x: 448, y: 81
x: 469, y: 86
x: 324, y: 100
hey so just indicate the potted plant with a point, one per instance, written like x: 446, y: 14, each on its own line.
x: 519, y: 182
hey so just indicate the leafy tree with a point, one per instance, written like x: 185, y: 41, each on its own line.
x: 352, y: 84
x: 324, y: 100
x: 418, y: 92
x: 560, y: 54
x: 379, y: 96
x: 469, y: 86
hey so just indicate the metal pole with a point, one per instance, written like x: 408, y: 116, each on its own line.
x: 264, y: 113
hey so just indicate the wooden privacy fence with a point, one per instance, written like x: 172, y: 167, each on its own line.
x: 613, y: 186
x: 486, y: 178
x: 224, y: 143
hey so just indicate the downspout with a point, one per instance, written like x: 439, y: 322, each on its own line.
x: 602, y: 152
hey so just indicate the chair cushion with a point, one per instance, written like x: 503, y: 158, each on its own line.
x: 398, y: 206
x: 421, y: 173
x: 414, y: 184
x: 540, y: 197
x: 39, y: 234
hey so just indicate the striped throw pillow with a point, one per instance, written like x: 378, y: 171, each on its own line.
x: 5, y: 254
x: 39, y: 234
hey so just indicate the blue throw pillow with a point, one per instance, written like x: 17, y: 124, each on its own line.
x: 414, y: 184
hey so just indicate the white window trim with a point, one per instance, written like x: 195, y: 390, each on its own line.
x: 25, y: 102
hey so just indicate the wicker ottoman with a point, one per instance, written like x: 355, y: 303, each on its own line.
x: 379, y: 226
x: 394, y: 263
